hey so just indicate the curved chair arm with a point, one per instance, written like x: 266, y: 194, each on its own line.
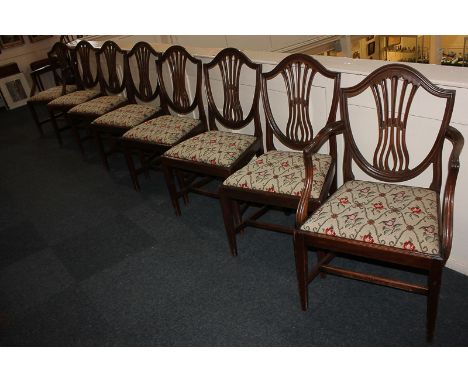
x: 36, y: 80
x: 331, y: 130
x: 457, y: 140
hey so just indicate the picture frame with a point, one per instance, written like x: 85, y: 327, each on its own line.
x: 15, y: 90
x: 371, y: 48
x: 393, y: 40
x: 11, y: 41
x: 36, y: 38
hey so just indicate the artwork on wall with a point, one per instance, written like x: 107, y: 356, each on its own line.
x: 371, y: 48
x: 393, y: 40
x: 35, y: 38
x: 10, y: 41
x: 15, y: 90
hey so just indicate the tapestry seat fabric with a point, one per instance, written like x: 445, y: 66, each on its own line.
x: 165, y: 130
x: 126, y: 117
x: 97, y: 106
x: 52, y: 93
x: 385, y: 214
x: 70, y: 100
x: 281, y: 172
x: 218, y: 148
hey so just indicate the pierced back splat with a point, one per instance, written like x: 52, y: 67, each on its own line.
x: 394, y: 87
x: 298, y: 72
x: 112, y: 84
x: 60, y: 61
x: 82, y: 60
x: 144, y: 55
x: 230, y: 62
x: 176, y: 58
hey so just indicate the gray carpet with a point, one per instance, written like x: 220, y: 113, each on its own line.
x: 87, y: 261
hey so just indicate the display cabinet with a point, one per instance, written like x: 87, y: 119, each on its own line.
x: 404, y: 49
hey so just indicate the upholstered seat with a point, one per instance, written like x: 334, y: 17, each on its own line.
x: 281, y: 172
x: 379, y: 213
x: 70, y: 100
x: 52, y: 93
x: 219, y: 148
x: 164, y: 130
x: 126, y: 117
x: 97, y: 106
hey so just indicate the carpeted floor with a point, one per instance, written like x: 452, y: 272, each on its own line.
x: 87, y: 261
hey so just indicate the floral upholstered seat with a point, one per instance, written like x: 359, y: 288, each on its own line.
x: 379, y: 213
x: 97, y: 106
x: 217, y: 148
x: 73, y: 99
x: 164, y: 130
x: 281, y: 172
x: 52, y: 93
x: 126, y: 117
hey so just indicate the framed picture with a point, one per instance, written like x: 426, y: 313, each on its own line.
x: 11, y: 41
x: 35, y: 38
x: 15, y: 90
x: 393, y: 40
x: 371, y: 48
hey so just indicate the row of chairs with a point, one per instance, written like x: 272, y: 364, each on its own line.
x: 372, y: 220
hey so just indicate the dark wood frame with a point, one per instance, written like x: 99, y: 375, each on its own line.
x: 327, y: 247
x: 36, y: 38
x: 230, y: 196
x: 112, y: 85
x: 150, y: 153
x: 59, y: 64
x: 143, y: 53
x: 230, y: 62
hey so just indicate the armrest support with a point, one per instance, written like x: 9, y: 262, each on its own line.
x: 35, y: 75
x: 329, y: 131
x: 457, y: 140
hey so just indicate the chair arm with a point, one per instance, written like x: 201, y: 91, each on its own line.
x: 35, y: 75
x: 457, y: 140
x: 41, y: 70
x: 331, y: 130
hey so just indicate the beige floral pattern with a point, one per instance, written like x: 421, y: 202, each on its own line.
x: 73, y: 99
x: 281, y: 172
x: 98, y: 106
x: 126, y: 116
x: 217, y: 148
x: 386, y: 214
x: 164, y: 130
x: 52, y: 93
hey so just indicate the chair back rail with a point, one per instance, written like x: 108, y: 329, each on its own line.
x: 230, y: 62
x: 144, y: 55
x: 175, y: 57
x: 107, y: 58
x: 298, y: 72
x: 394, y: 87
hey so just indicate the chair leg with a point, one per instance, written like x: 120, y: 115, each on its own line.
x: 131, y: 167
x: 36, y: 118
x: 56, y: 128
x: 300, y: 253
x: 320, y: 257
x: 228, y: 207
x: 100, y: 147
x: 434, y: 282
x: 171, y: 186
x: 181, y: 181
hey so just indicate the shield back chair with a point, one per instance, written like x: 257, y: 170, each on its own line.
x: 69, y: 38
x: 217, y: 154
x: 86, y: 80
x: 380, y: 220
x: 276, y: 178
x: 152, y: 138
x: 112, y: 93
x: 59, y: 64
x: 143, y: 94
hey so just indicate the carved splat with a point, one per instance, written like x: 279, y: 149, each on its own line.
x: 83, y: 53
x: 110, y: 51
x: 393, y: 106
x: 298, y: 72
x: 230, y: 67
x: 177, y: 61
x: 298, y: 80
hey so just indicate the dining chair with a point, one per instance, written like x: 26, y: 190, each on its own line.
x: 379, y: 219
x: 276, y: 178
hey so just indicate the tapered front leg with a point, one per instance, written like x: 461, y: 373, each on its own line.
x: 434, y: 282
x: 228, y: 217
x: 171, y: 186
x: 300, y: 253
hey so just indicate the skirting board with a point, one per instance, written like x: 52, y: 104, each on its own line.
x: 458, y: 266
